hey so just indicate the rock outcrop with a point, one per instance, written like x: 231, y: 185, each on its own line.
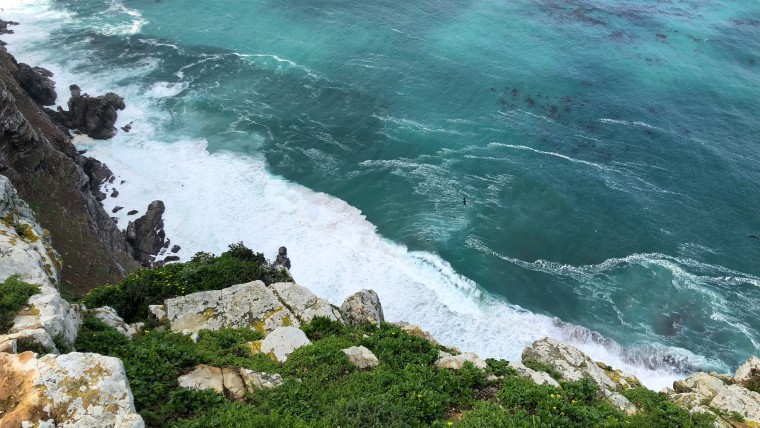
x: 146, y: 234
x: 93, y: 116
x: 108, y: 315
x: 37, y: 83
x: 233, y: 382
x: 72, y: 390
x: 540, y: 378
x: 456, y: 362
x: 282, y: 258
x: 303, y: 303
x: 574, y: 365
x: 362, y: 307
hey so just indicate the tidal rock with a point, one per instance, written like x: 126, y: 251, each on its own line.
x: 456, y: 362
x: 37, y: 83
x: 303, y: 303
x: 748, y: 371
x: 282, y: 258
x: 203, y: 377
x: 94, y: 116
x: 146, y: 234
x: 361, y: 357
x: 735, y: 398
x: 362, y: 307
x: 176, y: 248
x: 251, y: 305
x: 540, y: 378
x: 116, y: 209
x: 281, y: 342
x: 82, y: 390
x: 114, y: 193
x: 132, y: 212
x: 109, y: 316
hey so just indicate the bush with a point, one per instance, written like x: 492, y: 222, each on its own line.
x: 132, y: 296
x: 14, y: 295
x: 659, y: 411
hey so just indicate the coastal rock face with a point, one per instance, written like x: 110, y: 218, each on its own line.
x: 575, y: 365
x: 51, y: 313
x: 705, y: 386
x: 146, y: 234
x: 72, y: 390
x: 361, y: 357
x: 735, y: 398
x: 109, y: 316
x: 250, y: 305
x: 362, y: 307
x: 748, y: 371
x: 303, y: 303
x: 280, y: 343
x: 98, y: 174
x: 46, y: 169
x: 37, y: 83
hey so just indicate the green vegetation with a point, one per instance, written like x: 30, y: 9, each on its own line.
x: 14, y: 294
x: 132, y: 296
x: 541, y: 367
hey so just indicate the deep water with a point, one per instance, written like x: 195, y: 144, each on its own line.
x: 608, y: 151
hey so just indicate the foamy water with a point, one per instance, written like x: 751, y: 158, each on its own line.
x: 216, y: 199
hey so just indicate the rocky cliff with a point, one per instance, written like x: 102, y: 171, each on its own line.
x: 44, y: 166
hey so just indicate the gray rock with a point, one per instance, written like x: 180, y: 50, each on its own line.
x: 157, y: 313
x: 37, y: 83
x: 94, y: 116
x: 540, y: 378
x: 281, y: 342
x: 735, y: 398
x: 748, y: 371
x: 361, y: 357
x: 203, y: 377
x: 362, y: 307
x: 282, y: 258
x: 233, y: 384
x: 251, y: 305
x: 146, y: 234
x: 303, y: 303
x: 704, y: 385
x: 456, y: 362
x: 36, y: 337
x: 109, y: 316
x: 259, y: 380
x: 415, y: 330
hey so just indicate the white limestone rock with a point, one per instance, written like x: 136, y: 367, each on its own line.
x: 281, y: 342
x: 203, y: 377
x: 251, y: 305
x: 233, y: 384
x: 735, y: 398
x: 8, y: 346
x: 747, y: 371
x: 540, y: 378
x: 303, y: 303
x: 34, y: 336
x: 158, y: 313
x: 26, y: 247
x: 456, y: 362
x: 361, y: 357
x: 362, y: 307
x: 704, y: 385
x: 74, y: 390
x: 109, y: 316
x: 49, y: 311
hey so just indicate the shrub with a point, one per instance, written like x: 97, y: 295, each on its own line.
x: 500, y: 367
x: 132, y: 296
x: 659, y: 411
x: 14, y: 295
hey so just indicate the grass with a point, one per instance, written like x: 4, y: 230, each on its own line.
x: 14, y: 295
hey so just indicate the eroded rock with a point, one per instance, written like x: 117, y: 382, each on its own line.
x: 735, y: 398
x: 456, y: 362
x: 281, y: 342
x: 110, y: 317
x: 203, y: 377
x: 37, y: 83
x: 361, y: 357
x: 748, y: 371
x: 146, y: 234
x: 540, y: 378
x: 303, y: 303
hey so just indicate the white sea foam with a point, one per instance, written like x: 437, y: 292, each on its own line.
x: 216, y: 199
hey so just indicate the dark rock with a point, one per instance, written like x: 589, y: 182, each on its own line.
x: 114, y: 193
x: 146, y: 234
x: 115, y: 219
x: 176, y: 248
x: 282, y: 258
x: 132, y: 212
x: 98, y: 173
x: 127, y: 127
x: 36, y: 82
x: 94, y: 116
x: 4, y: 26
x: 116, y: 209
x: 171, y: 259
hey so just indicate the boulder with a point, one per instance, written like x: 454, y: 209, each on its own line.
x: 456, y: 362
x: 203, y: 377
x: 748, y: 371
x: 251, y: 305
x: 157, y: 313
x: 687, y: 400
x: 362, y: 307
x: 303, y: 303
x: 233, y: 384
x: 541, y: 378
x: 259, y: 380
x: 109, y: 316
x: 37, y: 83
x: 94, y: 116
x: 72, y: 390
x: 31, y: 339
x: 361, y: 357
x: 146, y: 234
x: 9, y: 346
x: 735, y: 398
x: 48, y: 311
x: 281, y: 342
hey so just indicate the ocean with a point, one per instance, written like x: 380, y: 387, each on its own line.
x: 609, y: 152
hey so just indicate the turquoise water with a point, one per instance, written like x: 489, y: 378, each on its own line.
x: 608, y: 149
